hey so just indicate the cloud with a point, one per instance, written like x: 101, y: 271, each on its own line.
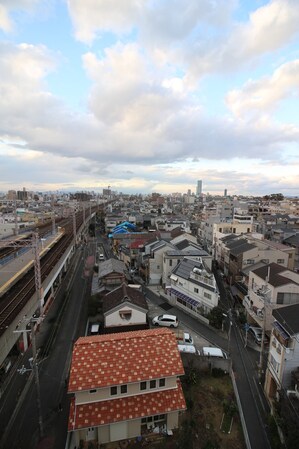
x: 269, y: 28
x: 91, y: 17
x: 7, y: 7
x: 265, y: 94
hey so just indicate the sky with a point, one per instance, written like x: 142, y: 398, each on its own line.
x: 150, y: 96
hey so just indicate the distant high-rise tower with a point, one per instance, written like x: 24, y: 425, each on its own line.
x: 225, y: 192
x: 199, y: 188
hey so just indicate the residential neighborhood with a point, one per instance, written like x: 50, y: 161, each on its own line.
x: 216, y: 267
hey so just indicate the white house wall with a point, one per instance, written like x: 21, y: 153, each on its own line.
x: 114, y: 319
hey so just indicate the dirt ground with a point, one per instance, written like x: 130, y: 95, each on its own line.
x: 200, y: 426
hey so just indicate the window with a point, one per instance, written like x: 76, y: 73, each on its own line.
x: 113, y: 391
x: 158, y: 267
x: 170, y: 262
x: 123, y: 389
x: 195, y: 290
x: 207, y: 295
x: 152, y: 384
x: 142, y: 385
x: 125, y: 314
x: 162, y: 382
x: 280, y: 260
x: 92, y: 391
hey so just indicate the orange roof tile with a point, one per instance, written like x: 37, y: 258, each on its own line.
x: 113, y: 359
x: 123, y: 409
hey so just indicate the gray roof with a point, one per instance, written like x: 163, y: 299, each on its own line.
x: 185, y: 244
x: 273, y: 270
x: 229, y: 237
x: 188, y: 252
x: 124, y: 294
x: 288, y: 318
x: 111, y: 266
x: 242, y: 248
x: 292, y: 240
x: 235, y: 243
x: 185, y: 268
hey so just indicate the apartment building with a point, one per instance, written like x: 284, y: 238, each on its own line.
x: 236, y: 255
x: 124, y: 385
x: 192, y: 287
x: 270, y: 287
x: 283, y: 357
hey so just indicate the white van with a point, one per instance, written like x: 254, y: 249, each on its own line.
x: 187, y: 348
x: 101, y: 256
x: 214, y: 352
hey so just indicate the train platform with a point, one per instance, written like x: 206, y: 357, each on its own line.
x: 12, y: 269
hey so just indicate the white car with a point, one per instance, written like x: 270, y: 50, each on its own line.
x: 166, y: 320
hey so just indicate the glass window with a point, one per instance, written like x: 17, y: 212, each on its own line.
x: 124, y: 389
x: 113, y: 391
x: 162, y: 382
x: 92, y: 391
x: 152, y: 384
x: 142, y: 385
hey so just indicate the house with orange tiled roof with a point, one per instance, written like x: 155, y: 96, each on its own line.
x: 124, y: 385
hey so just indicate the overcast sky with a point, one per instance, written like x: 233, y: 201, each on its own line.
x: 150, y: 95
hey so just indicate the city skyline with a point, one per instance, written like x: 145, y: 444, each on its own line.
x: 149, y: 96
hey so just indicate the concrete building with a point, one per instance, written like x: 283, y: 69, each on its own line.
x: 283, y: 357
x: 199, y: 188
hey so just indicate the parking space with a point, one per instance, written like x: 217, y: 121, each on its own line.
x: 154, y: 310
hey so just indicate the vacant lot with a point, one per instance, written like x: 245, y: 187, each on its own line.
x: 205, y: 425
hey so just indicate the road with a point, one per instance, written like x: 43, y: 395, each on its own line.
x: 244, y: 363
x: 64, y: 322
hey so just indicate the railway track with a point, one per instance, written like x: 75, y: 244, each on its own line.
x: 14, y: 300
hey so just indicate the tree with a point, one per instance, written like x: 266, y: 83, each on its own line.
x: 216, y: 317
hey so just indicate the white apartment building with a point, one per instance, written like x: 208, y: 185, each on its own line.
x: 193, y: 288
x: 270, y: 287
x: 283, y: 356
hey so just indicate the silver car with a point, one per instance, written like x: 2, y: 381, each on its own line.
x: 166, y: 320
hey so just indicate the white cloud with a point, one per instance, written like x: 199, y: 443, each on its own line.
x: 91, y: 17
x: 7, y: 7
x: 264, y: 95
x: 269, y: 28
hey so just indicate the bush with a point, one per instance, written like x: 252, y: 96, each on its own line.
x: 218, y: 372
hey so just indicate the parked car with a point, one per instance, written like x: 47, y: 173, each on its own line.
x: 256, y: 333
x: 213, y: 352
x: 165, y: 320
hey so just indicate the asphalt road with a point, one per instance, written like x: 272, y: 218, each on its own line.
x: 244, y: 363
x: 65, y: 321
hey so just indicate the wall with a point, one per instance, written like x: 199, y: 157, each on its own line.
x: 102, y: 394
x: 114, y: 318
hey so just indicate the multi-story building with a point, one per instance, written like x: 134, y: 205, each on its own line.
x: 238, y: 254
x: 124, y: 385
x: 283, y: 356
x: 270, y: 287
x: 192, y: 287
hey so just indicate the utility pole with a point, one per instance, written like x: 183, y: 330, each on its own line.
x: 16, y: 219
x: 34, y: 369
x: 37, y: 272
x: 53, y: 215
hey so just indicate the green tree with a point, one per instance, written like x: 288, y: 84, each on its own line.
x: 215, y: 317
